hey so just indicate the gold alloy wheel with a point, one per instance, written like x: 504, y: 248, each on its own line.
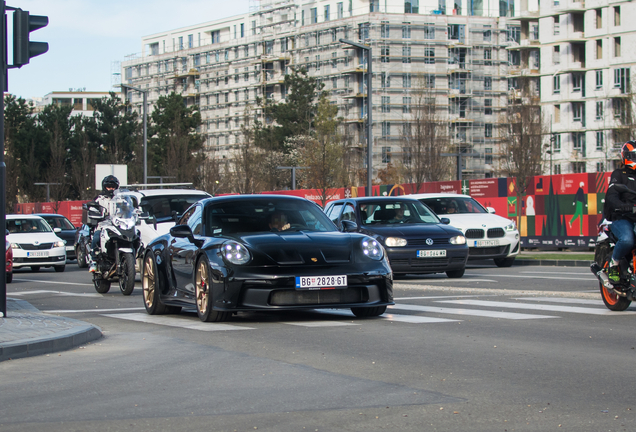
x: 201, y: 288
x: 148, y: 282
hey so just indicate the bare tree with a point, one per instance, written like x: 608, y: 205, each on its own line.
x: 425, y: 138
x: 245, y: 171
x: 83, y: 166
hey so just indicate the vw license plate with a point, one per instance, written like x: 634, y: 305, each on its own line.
x: 320, y: 282
x: 486, y: 243
x: 431, y: 253
x: 37, y: 254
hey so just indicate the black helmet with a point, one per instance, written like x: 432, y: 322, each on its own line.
x: 110, y: 181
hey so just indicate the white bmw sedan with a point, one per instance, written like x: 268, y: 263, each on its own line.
x: 34, y: 243
x: 488, y: 236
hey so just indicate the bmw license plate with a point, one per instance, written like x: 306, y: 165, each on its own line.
x: 37, y: 254
x: 431, y: 253
x: 486, y: 243
x: 321, y: 282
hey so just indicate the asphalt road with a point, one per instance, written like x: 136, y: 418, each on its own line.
x: 523, y: 348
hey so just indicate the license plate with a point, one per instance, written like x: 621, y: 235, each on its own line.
x: 485, y: 243
x: 431, y: 253
x: 37, y: 254
x: 321, y: 282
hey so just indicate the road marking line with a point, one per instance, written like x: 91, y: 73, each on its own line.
x: 591, y: 278
x: 473, y: 312
x: 62, y: 311
x: 581, y: 273
x: 53, y: 282
x: 570, y: 309
x: 411, y: 319
x: 598, y: 302
x: 442, y: 297
x: 175, y: 321
x: 466, y: 280
x: 64, y: 293
x: 319, y: 323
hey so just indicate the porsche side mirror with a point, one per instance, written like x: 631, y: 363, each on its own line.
x: 182, y: 231
x: 445, y: 221
x: 349, y: 226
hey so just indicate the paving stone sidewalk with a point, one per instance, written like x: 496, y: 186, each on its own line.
x: 26, y: 331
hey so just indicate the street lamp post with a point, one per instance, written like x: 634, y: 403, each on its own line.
x: 293, y: 170
x: 367, y: 48
x: 145, y: 111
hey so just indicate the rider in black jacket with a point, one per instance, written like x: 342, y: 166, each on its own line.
x: 620, y: 206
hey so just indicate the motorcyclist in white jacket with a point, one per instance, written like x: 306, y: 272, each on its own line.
x: 110, y: 184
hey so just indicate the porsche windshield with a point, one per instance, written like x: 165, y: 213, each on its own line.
x: 265, y: 215
x: 453, y: 205
x: 396, y: 212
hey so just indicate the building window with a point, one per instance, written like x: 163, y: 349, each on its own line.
x: 407, y: 157
x: 487, y: 34
x: 617, y: 46
x: 411, y: 6
x: 180, y: 42
x: 557, y: 168
x: 488, y: 106
x: 384, y: 29
x: 621, y: 79
x: 386, y: 155
x: 599, y: 140
x: 374, y: 6
x: 557, y: 113
x: 385, y: 80
x: 334, y: 61
x: 406, y: 30
x: 556, y: 84
x: 386, y: 104
x: 599, y: 18
x: 578, y: 167
x: 406, y: 80
x: 429, y: 31
x: 429, y: 81
x: 578, y: 142
x: 556, y: 55
x: 578, y: 111
x: 556, y: 146
x: 384, y: 54
x: 429, y: 55
x: 599, y: 110
x: 600, y: 167
x: 488, y: 130
x: 406, y: 105
x: 314, y: 15
x: 599, y: 48
x: 386, y: 129
x: 363, y: 31
x: 577, y: 82
x: 599, y: 79
x: 334, y: 83
x: 488, y: 83
x: 340, y: 10
x: 326, y: 12
x: 556, y: 26
x: 487, y: 56
x: 406, y: 54
x: 488, y: 155
x: 617, y: 15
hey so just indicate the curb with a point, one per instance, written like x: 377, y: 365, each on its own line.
x: 563, y: 263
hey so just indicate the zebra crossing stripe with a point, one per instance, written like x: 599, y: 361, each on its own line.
x: 597, y: 302
x: 469, y: 312
x: 552, y: 308
x: 176, y: 321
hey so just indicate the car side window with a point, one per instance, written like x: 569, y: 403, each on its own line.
x: 334, y: 212
x: 184, y: 219
x: 349, y: 213
x: 194, y: 222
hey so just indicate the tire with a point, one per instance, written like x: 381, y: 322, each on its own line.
x: 203, y: 295
x: 10, y: 277
x: 455, y: 274
x: 102, y: 286
x: 127, y: 276
x: 82, y: 258
x: 613, y: 301
x: 59, y: 269
x: 150, y: 287
x: 367, y: 312
x: 504, y: 262
x: 35, y: 268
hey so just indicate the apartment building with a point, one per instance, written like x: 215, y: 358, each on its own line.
x: 457, y: 53
x: 80, y: 100
x: 586, y: 61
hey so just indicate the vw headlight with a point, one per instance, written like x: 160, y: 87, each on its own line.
x: 511, y: 227
x: 60, y: 243
x: 395, y: 242
x: 371, y: 248
x: 458, y: 240
x: 235, y: 253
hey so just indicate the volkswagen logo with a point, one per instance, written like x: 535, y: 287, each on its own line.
x: 429, y: 241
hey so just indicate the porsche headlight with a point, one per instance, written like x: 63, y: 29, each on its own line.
x: 458, y: 240
x: 511, y: 227
x: 371, y: 248
x: 235, y: 253
x: 60, y: 243
x: 395, y: 242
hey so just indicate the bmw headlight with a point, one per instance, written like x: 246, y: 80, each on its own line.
x: 371, y: 248
x: 235, y: 253
x: 458, y: 240
x: 395, y: 242
x: 15, y: 246
x: 60, y: 243
x: 511, y: 227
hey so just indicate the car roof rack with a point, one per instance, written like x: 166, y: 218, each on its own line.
x: 135, y: 187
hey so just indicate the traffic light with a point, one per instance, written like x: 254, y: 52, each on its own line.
x: 23, y: 24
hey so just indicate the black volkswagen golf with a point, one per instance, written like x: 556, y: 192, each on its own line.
x: 415, y: 239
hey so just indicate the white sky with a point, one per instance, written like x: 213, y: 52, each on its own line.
x: 86, y: 36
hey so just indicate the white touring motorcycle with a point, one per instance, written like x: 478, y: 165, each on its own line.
x: 119, y: 243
